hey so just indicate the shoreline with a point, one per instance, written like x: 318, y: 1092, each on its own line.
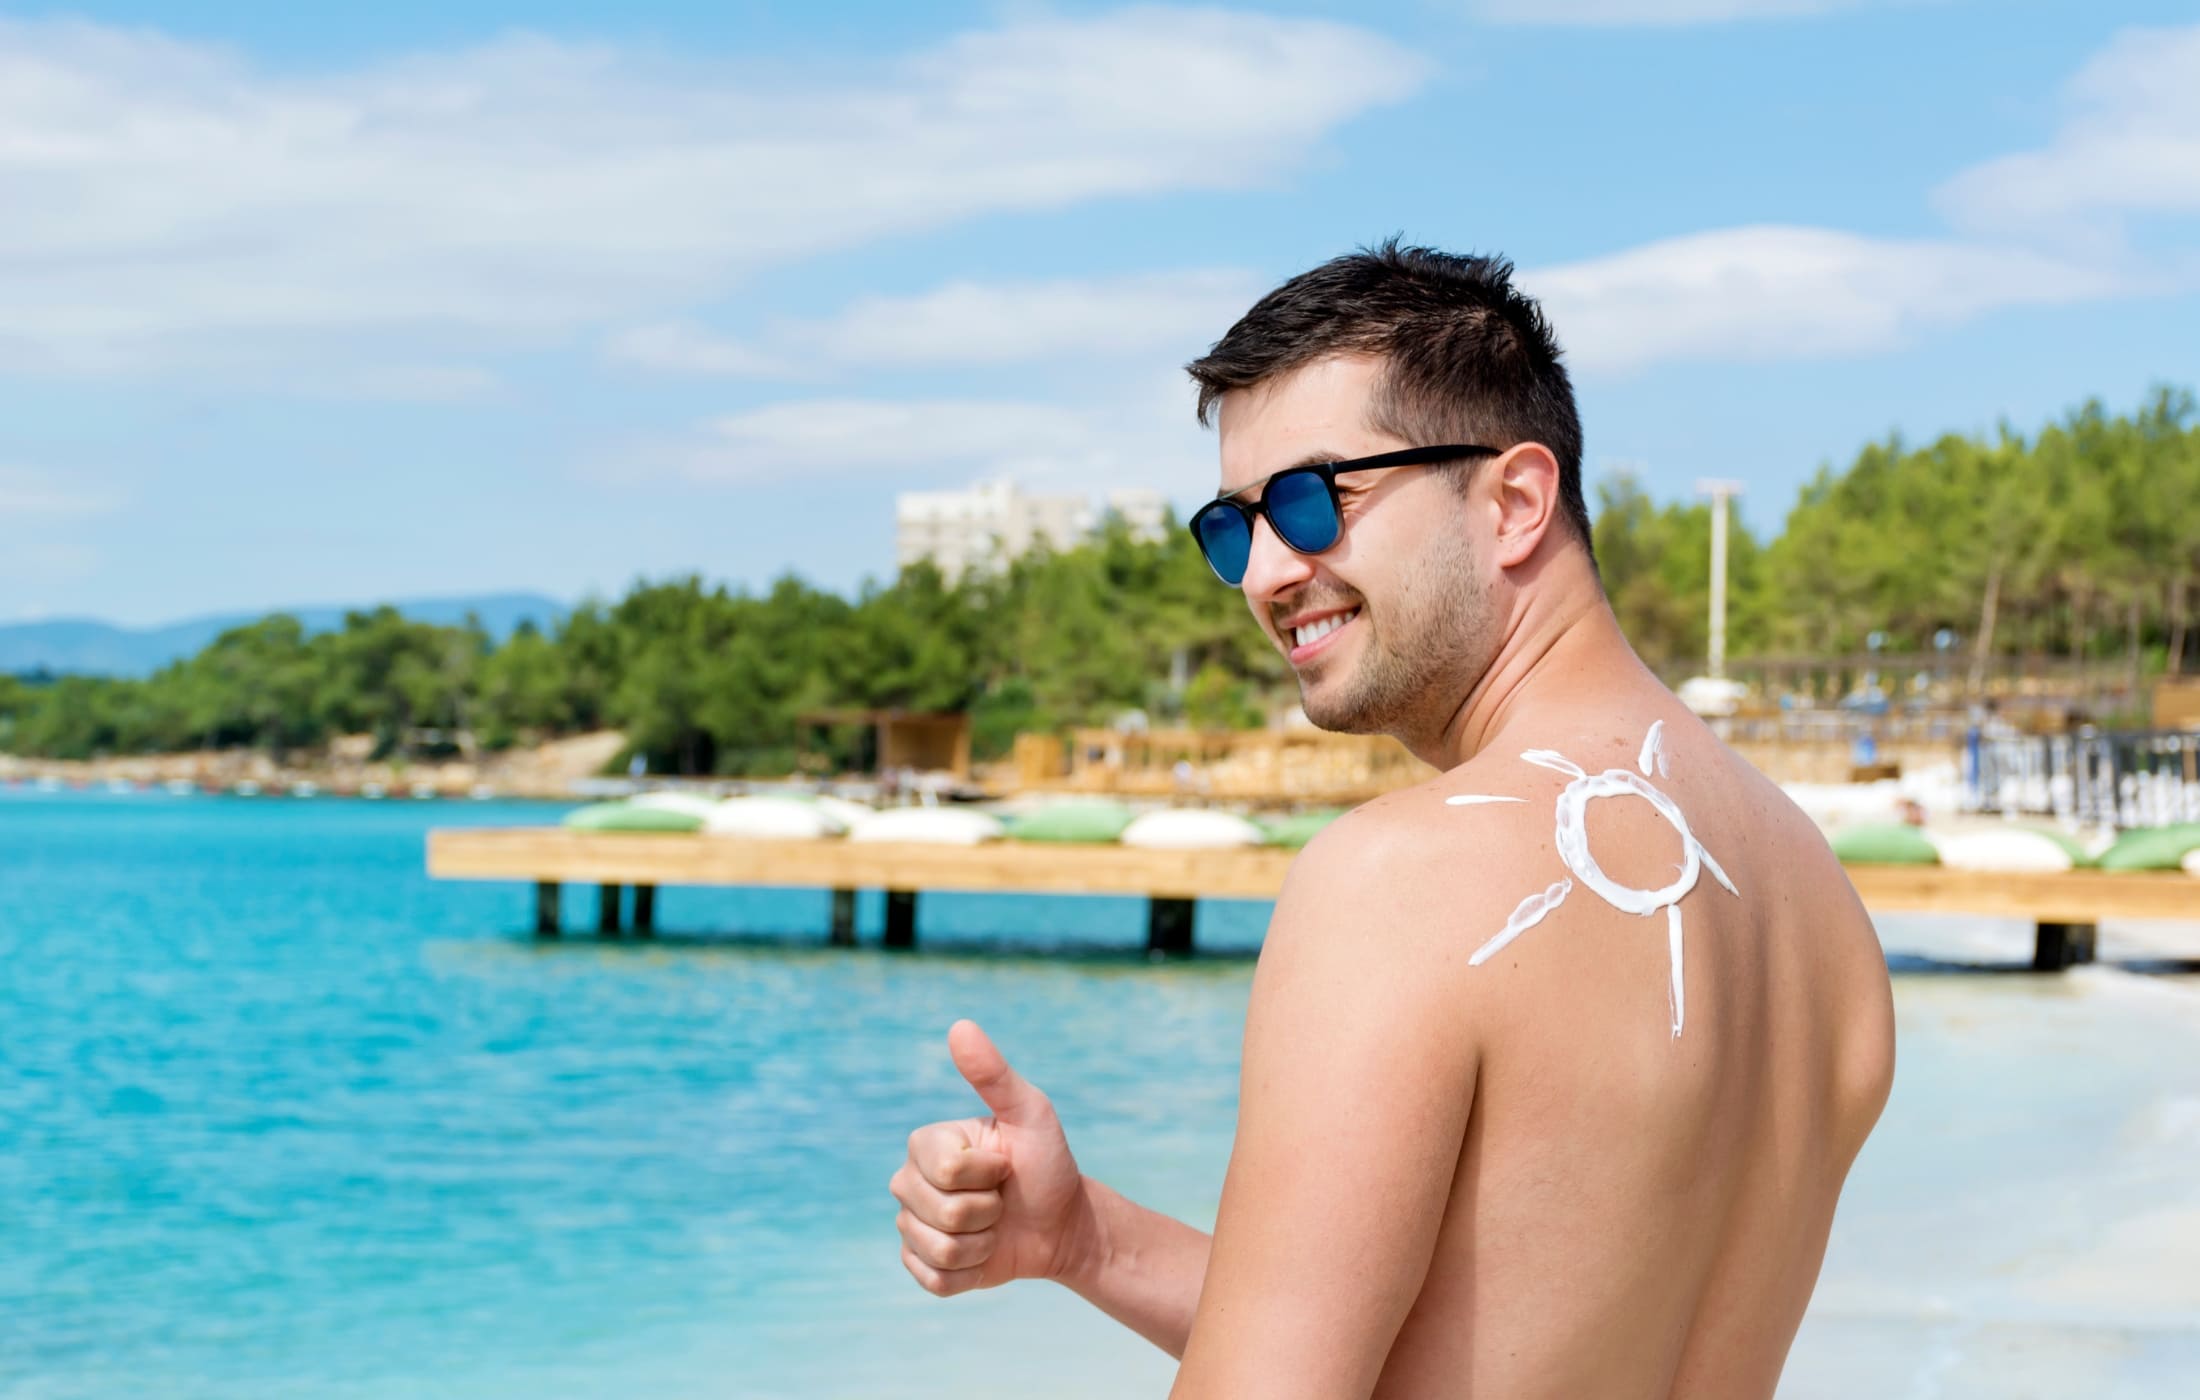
x: 554, y: 770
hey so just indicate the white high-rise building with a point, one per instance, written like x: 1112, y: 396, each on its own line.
x: 992, y: 523
x: 1143, y: 509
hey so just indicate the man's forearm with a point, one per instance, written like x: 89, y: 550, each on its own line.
x: 1138, y: 1266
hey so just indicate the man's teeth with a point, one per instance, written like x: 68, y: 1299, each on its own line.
x: 1315, y: 631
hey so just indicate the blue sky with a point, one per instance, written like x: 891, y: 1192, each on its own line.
x: 307, y: 304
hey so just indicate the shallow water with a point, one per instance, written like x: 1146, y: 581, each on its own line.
x: 278, y: 1115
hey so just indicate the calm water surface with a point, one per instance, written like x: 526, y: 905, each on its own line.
x: 278, y: 1116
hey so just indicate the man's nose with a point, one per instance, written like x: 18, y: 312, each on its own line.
x: 1272, y: 568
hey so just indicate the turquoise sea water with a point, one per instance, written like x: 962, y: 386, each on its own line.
x: 279, y: 1116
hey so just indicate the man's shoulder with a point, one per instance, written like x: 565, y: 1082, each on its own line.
x: 1374, y: 928
x: 1449, y: 863
x: 1410, y: 871
x: 1448, y: 825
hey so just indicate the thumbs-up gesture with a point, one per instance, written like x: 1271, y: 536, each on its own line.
x: 986, y: 1200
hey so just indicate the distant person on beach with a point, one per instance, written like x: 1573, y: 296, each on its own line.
x: 1555, y: 1064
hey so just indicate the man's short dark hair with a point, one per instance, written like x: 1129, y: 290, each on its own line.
x: 1468, y: 358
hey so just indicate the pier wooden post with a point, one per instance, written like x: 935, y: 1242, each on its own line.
x: 844, y: 919
x: 546, y: 909
x: 645, y: 911
x: 2057, y: 946
x: 607, y: 910
x: 1169, y: 927
x: 901, y: 918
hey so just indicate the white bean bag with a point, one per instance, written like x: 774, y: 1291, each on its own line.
x: 1834, y: 805
x: 2191, y: 862
x: 930, y: 826
x: 840, y: 809
x: 1190, y: 830
x: 1939, y: 789
x: 2014, y: 851
x: 770, y: 819
x: 687, y: 804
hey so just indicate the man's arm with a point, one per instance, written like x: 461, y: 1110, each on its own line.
x: 1140, y: 1267
x: 1358, y: 1077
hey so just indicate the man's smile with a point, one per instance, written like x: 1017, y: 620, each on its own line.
x: 1310, y: 636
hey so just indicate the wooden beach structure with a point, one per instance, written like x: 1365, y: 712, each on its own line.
x: 2066, y: 909
x: 921, y: 741
x: 1261, y: 767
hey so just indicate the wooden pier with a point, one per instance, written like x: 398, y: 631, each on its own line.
x: 553, y: 856
x: 2065, y: 909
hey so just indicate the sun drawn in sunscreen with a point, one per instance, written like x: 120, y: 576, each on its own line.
x: 1572, y: 841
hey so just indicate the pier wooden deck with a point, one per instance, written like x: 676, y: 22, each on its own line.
x: 2065, y: 909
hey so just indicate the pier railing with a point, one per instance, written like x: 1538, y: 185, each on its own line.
x: 2124, y: 779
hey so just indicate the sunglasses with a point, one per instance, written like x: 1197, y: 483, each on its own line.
x: 1301, y: 505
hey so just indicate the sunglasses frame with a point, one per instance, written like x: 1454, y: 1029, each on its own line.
x: 1251, y: 512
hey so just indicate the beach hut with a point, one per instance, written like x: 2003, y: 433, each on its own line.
x: 898, y: 740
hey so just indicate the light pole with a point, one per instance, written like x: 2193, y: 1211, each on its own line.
x: 1720, y: 493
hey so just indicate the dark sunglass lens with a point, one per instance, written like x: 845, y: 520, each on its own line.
x: 1226, y: 541
x: 1303, y: 511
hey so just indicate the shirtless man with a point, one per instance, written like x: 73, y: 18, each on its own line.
x: 1554, y: 1064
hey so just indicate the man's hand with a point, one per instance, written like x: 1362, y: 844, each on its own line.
x: 987, y: 1200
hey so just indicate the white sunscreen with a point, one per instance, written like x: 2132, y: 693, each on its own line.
x: 1525, y: 915
x: 1572, y: 840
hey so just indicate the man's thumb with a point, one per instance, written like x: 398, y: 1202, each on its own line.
x: 1006, y: 1092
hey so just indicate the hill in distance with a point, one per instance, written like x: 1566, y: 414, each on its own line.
x: 84, y: 646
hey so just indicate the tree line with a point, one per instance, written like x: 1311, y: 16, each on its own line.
x: 2082, y: 540
x: 702, y: 678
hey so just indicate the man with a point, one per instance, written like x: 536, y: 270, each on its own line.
x: 1554, y: 1064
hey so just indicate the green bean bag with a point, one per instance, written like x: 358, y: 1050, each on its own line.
x: 1074, y: 822
x: 2153, y: 848
x: 625, y: 816
x: 1884, y: 843
x: 1299, y: 828
x: 2079, y: 859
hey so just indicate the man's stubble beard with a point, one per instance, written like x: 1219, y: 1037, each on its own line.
x: 1421, y: 657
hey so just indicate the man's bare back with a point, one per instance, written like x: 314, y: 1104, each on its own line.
x: 1638, y: 1213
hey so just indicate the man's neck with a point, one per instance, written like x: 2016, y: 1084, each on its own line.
x: 1561, y: 638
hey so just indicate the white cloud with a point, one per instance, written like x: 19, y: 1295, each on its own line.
x: 406, y: 383
x: 816, y: 437
x: 27, y: 493
x: 1658, y: 12
x: 970, y: 323
x: 2130, y: 143
x: 164, y: 196
x: 1168, y: 314
x: 1123, y: 433
x: 681, y: 347
x: 1772, y: 292
x: 1745, y: 294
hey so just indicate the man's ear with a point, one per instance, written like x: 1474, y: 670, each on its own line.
x: 1524, y: 492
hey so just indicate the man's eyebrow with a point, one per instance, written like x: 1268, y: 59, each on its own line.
x: 1319, y: 457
